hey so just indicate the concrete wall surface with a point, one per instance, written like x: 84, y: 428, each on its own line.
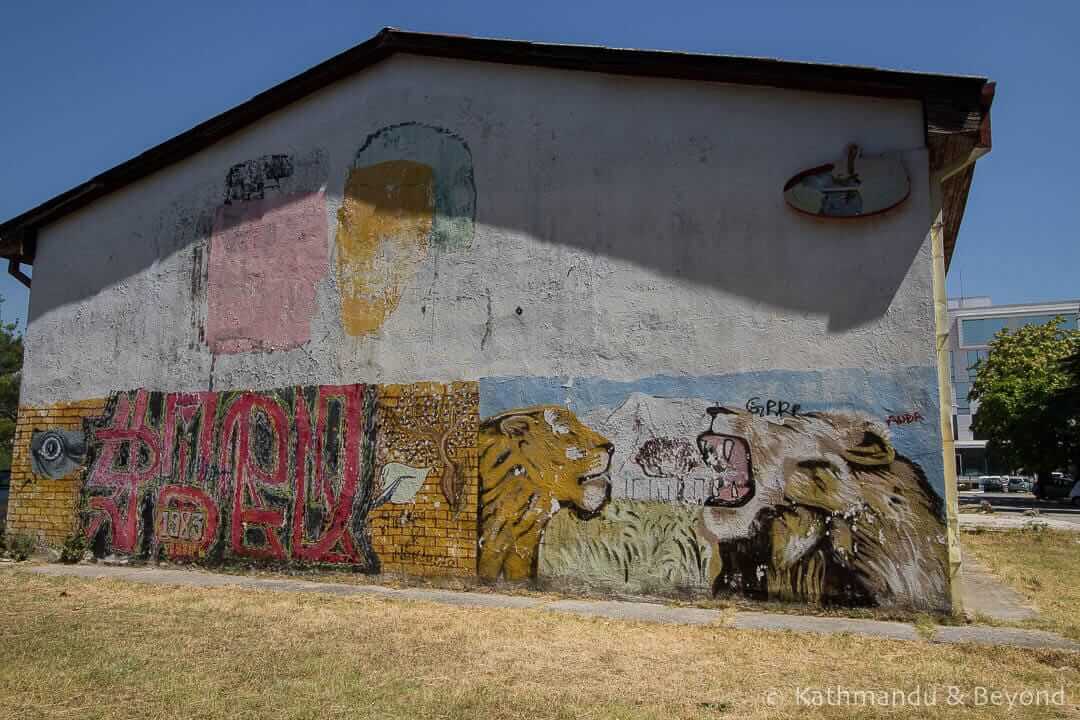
x: 457, y: 317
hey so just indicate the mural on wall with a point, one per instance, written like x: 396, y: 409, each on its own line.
x: 775, y: 494
x: 429, y: 430
x: 534, y: 461
x: 821, y: 508
x: 276, y: 174
x: 643, y: 548
x: 267, y: 252
x: 279, y: 473
x: 426, y: 448
x: 55, y: 453
x: 410, y: 192
x: 288, y: 475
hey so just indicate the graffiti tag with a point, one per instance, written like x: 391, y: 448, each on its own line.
x: 773, y: 408
x: 905, y: 418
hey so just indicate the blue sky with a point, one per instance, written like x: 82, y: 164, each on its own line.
x: 88, y: 85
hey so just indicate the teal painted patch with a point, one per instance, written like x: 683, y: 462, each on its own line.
x: 450, y: 159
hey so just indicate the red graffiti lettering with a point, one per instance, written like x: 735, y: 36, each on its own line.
x: 334, y: 543
x: 252, y: 480
x: 193, y: 456
x: 270, y: 475
x: 904, y: 418
x: 128, y: 460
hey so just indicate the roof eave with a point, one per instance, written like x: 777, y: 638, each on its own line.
x: 953, y: 105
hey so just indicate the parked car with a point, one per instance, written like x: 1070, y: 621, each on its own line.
x: 994, y: 483
x: 1019, y: 483
x: 967, y: 482
x: 1058, y: 486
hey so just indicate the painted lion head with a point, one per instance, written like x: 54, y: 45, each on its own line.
x: 548, y: 448
x: 820, y: 505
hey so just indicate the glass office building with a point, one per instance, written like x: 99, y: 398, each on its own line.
x: 973, y: 322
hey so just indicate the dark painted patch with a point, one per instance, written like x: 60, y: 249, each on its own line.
x: 251, y: 179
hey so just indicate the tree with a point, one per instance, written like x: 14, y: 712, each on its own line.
x: 1016, y: 387
x: 11, y: 358
x: 1066, y: 406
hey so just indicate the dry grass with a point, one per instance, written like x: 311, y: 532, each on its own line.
x: 1043, y: 565
x: 109, y: 649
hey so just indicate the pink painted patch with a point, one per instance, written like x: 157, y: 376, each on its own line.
x: 266, y: 256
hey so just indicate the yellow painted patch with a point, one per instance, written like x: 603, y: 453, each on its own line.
x: 383, y: 228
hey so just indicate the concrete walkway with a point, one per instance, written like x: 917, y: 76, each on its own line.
x: 985, y: 595
x: 1014, y: 521
x: 615, y: 609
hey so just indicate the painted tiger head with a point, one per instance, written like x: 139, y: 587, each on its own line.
x: 549, y: 449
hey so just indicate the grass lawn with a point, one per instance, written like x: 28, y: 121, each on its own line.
x: 1043, y: 565
x: 108, y: 649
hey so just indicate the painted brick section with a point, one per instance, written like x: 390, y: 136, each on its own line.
x: 39, y: 506
x: 427, y: 536
x: 423, y: 537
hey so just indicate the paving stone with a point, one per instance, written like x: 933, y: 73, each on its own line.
x: 640, y: 611
x: 987, y: 595
x: 1019, y: 637
x: 824, y: 625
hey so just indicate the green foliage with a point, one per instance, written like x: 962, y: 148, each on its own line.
x: 1016, y: 387
x: 73, y: 549
x: 20, y: 547
x: 1066, y: 404
x: 11, y: 358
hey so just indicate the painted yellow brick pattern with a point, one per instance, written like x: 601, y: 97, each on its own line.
x: 39, y: 506
x: 419, y: 424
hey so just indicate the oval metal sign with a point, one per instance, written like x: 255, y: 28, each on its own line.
x: 859, y: 186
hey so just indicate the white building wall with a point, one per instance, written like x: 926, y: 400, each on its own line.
x: 638, y: 224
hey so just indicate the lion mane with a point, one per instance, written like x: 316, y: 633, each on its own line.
x: 828, y: 513
x: 532, y: 462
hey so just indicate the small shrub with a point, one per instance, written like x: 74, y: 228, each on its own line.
x: 20, y: 547
x: 73, y: 549
x: 925, y: 626
x: 1035, y: 528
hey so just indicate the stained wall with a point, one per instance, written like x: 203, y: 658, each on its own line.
x: 583, y: 294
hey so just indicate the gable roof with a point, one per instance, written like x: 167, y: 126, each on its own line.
x: 956, y: 108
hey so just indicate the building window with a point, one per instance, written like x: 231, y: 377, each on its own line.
x: 974, y: 357
x: 980, y: 331
x: 962, y: 403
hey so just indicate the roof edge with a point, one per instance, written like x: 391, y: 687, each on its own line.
x: 952, y: 102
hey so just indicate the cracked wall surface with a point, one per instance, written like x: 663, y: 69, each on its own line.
x: 534, y: 319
